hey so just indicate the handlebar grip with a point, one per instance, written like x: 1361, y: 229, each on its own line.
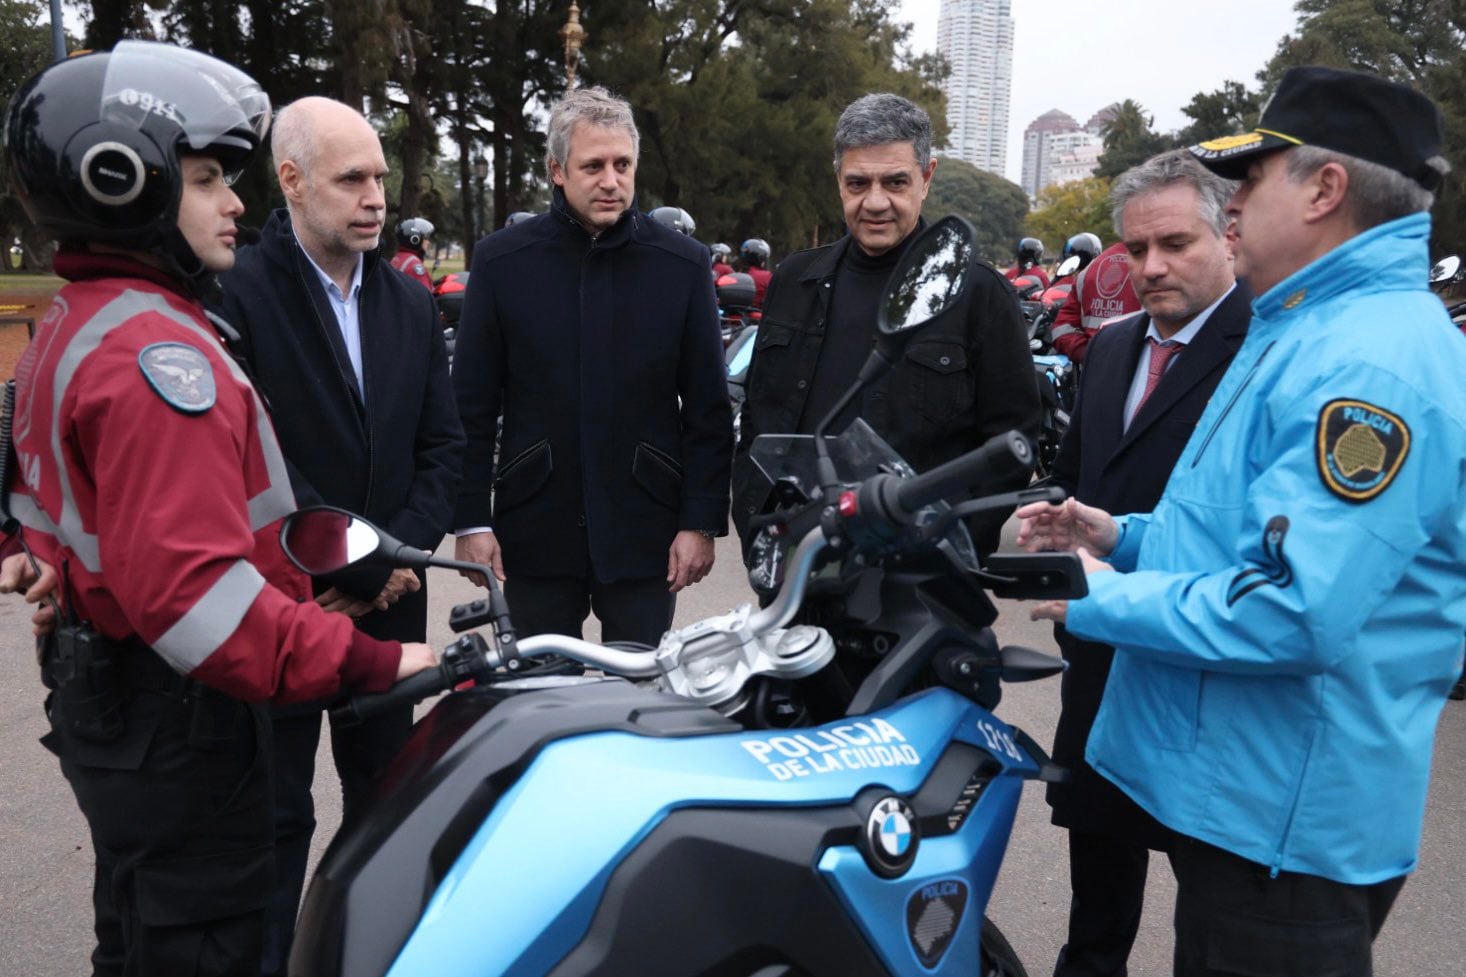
x: 1002, y: 454
x: 420, y: 685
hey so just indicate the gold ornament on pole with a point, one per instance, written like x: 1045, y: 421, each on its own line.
x: 574, y: 36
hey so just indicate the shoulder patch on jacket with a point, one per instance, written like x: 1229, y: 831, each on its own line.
x: 1360, y: 448
x: 180, y: 374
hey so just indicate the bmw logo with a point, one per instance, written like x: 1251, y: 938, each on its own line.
x: 891, y: 836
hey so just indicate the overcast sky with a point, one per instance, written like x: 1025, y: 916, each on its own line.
x: 1081, y: 55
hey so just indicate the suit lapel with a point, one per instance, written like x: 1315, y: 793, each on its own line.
x: 1210, y: 349
x: 1111, y: 380
x: 330, y: 327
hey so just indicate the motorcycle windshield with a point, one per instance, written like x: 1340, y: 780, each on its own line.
x: 858, y: 454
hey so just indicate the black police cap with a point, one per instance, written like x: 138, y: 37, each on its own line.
x: 1349, y: 112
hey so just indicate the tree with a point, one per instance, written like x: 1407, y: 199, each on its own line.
x: 25, y: 48
x: 736, y: 99
x: 995, y: 207
x: 1129, y: 140
x: 1226, y: 111
x: 737, y: 103
x: 1416, y: 42
x: 1069, y: 208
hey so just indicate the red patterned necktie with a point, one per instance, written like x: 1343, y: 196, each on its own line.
x: 1160, y: 355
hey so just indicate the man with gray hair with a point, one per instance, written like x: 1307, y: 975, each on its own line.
x: 966, y: 377
x: 1293, y: 623
x: 349, y: 353
x: 593, y: 331
x: 1146, y: 381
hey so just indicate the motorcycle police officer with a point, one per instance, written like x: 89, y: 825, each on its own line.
x: 153, y: 482
x: 412, y: 244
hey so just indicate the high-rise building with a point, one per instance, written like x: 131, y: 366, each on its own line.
x: 1057, y: 150
x: 976, y: 38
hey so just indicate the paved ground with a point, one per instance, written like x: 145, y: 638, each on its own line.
x: 45, y: 871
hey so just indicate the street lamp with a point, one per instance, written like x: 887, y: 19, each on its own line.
x: 480, y: 174
x: 58, y: 32
x: 574, y: 36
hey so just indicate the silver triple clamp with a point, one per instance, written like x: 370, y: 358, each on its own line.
x: 712, y: 660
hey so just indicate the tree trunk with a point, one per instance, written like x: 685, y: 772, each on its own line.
x: 37, y: 250
x: 416, y: 146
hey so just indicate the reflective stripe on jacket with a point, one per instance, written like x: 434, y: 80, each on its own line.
x: 166, y: 518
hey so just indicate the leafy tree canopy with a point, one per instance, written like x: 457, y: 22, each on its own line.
x: 1421, y: 43
x: 995, y: 207
x: 25, y: 48
x: 1129, y: 140
x: 1070, y: 208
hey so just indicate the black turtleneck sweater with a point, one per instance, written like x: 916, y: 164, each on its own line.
x: 850, y: 332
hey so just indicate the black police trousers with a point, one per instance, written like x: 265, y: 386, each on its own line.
x: 1233, y: 917
x: 179, y: 811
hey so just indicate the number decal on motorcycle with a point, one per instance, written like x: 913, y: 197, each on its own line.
x: 999, y: 741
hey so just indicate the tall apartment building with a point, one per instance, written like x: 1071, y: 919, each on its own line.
x: 976, y: 38
x: 1057, y: 150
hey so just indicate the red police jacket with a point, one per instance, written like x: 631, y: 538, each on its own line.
x: 152, y: 476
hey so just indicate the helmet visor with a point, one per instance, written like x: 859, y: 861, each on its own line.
x: 216, y: 108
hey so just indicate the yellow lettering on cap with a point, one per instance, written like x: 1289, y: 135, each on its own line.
x: 1231, y: 142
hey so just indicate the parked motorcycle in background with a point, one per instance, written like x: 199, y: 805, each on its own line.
x: 739, y: 319
x: 736, y: 309
x: 752, y: 798
x: 1058, y: 377
x: 1446, y: 275
x: 449, y: 292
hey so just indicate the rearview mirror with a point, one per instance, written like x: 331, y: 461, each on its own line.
x: 323, y: 539
x: 1445, y: 269
x: 1068, y: 266
x: 931, y: 277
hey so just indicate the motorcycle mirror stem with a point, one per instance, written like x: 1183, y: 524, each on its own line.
x: 931, y: 277
x: 323, y: 539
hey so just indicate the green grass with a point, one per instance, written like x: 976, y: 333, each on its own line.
x: 26, y: 281
x: 445, y: 266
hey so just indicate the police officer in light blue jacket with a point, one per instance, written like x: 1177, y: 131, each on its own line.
x: 1289, y: 619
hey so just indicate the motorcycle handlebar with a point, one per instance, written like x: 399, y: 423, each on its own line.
x: 1001, y: 455
x: 628, y: 664
x: 430, y: 681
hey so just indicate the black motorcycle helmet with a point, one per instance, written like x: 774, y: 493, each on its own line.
x: 675, y: 218
x: 721, y: 252
x: 414, y: 232
x: 94, y: 144
x: 755, y: 252
x: 1084, y: 244
x: 1030, y: 252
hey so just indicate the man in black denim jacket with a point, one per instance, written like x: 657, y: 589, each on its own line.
x: 966, y: 376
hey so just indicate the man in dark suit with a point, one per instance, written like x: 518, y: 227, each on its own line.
x: 1146, y: 381
x: 593, y: 331
x: 350, y: 354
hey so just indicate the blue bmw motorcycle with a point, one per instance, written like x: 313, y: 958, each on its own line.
x: 814, y: 787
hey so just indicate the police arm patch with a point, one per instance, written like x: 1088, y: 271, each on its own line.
x: 1360, y: 448
x: 180, y: 374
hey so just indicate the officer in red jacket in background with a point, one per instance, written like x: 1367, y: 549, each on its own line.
x: 1103, y: 291
x: 753, y: 259
x: 722, y: 260
x: 1028, y: 256
x: 153, y: 482
x: 412, y: 246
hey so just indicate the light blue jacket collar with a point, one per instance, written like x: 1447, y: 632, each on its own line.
x: 1394, y: 256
